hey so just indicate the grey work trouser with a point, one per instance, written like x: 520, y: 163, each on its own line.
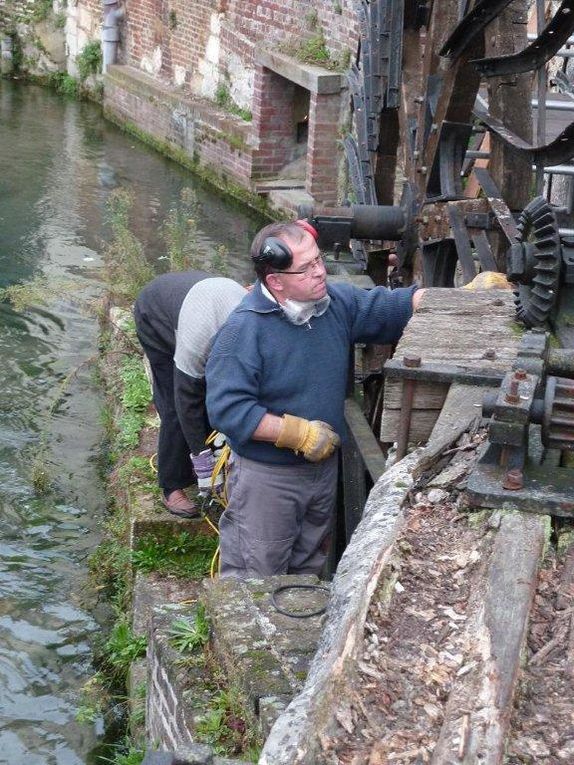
x: 278, y: 519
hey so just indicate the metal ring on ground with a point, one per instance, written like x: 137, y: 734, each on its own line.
x: 293, y: 614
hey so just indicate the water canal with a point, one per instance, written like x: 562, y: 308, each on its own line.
x: 59, y: 160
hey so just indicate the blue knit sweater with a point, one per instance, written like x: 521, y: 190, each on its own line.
x: 261, y: 363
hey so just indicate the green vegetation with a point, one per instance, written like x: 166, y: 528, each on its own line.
x: 40, y: 10
x: 89, y: 60
x: 225, y: 729
x: 179, y: 232
x: 123, y: 647
x: 125, y: 754
x: 224, y: 99
x: 136, y: 392
x: 127, y: 270
x: 182, y: 555
x: 35, y: 292
x: 187, y: 636
x: 138, y: 471
x: 135, y: 396
x: 314, y: 50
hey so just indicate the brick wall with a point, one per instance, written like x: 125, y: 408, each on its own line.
x: 179, y: 33
x: 183, y: 125
x: 196, y: 50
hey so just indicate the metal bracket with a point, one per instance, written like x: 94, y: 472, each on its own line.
x: 445, y: 180
x: 544, y: 490
x: 535, y: 55
x: 561, y: 149
x: 472, y: 25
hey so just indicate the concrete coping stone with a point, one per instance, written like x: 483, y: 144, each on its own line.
x: 308, y: 76
x: 295, y: 737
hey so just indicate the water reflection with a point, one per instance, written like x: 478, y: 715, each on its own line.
x: 58, y: 163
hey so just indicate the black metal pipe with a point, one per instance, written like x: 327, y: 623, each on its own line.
x: 359, y: 222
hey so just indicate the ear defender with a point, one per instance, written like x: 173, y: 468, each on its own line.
x: 275, y: 253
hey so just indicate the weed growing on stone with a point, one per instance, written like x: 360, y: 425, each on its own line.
x: 224, y: 727
x: 182, y: 555
x: 219, y: 261
x: 89, y: 60
x: 135, y: 398
x: 136, y: 393
x: 224, y: 99
x: 186, y: 636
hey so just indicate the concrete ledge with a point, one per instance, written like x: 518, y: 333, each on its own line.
x: 295, y: 737
x: 313, y: 78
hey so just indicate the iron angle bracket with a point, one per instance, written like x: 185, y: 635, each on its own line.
x: 540, y: 50
x: 546, y: 490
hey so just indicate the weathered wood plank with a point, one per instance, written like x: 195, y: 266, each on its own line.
x: 422, y: 423
x: 427, y: 395
x: 480, y: 700
x: 473, y: 329
x: 461, y: 409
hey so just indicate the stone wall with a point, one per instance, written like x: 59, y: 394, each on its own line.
x: 83, y: 24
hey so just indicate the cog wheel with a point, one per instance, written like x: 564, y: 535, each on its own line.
x: 538, y: 229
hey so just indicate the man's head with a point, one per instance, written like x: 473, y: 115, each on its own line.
x: 287, y: 260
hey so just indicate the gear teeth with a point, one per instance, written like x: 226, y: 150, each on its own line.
x: 537, y: 224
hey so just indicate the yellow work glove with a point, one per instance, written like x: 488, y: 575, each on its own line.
x: 314, y: 439
x: 489, y: 280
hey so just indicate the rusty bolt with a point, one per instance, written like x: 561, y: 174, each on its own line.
x: 489, y: 353
x: 437, y: 219
x: 513, y: 480
x: 412, y: 361
x: 520, y: 374
x: 512, y: 396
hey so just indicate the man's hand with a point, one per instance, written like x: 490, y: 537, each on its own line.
x: 314, y: 439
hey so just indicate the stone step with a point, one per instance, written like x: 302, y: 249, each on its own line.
x: 267, y: 653
x: 262, y: 654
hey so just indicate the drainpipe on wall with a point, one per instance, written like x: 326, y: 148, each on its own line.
x: 113, y: 15
x: 7, y: 57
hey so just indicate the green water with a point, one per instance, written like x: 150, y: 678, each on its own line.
x: 59, y: 161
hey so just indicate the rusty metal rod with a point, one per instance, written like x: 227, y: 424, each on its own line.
x: 407, y: 398
x: 405, y: 417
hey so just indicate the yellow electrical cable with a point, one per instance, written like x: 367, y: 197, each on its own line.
x: 220, y: 497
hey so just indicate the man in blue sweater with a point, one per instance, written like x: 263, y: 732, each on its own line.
x: 276, y: 381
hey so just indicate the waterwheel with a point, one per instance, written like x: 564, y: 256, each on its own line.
x: 454, y: 124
